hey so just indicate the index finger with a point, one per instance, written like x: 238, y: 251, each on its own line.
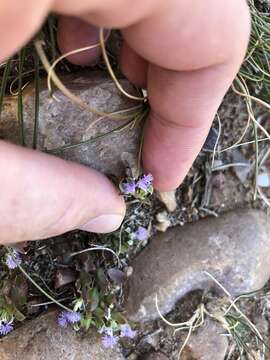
x: 185, y: 94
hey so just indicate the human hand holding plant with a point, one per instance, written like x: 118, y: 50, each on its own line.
x: 185, y: 52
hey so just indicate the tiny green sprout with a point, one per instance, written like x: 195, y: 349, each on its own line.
x: 79, y: 304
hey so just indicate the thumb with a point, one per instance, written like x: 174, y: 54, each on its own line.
x: 44, y: 196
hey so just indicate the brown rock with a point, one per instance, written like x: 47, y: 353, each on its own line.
x: 234, y: 248
x: 64, y: 123
x: 64, y: 277
x: 155, y: 356
x: 206, y: 344
x: 42, y: 339
x: 225, y: 192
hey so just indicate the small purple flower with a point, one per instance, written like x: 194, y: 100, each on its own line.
x: 73, y: 317
x: 145, y: 182
x: 62, y: 320
x: 109, y: 341
x: 127, y: 332
x: 5, y: 328
x: 129, y: 188
x: 12, y: 261
x: 141, y: 234
x: 108, y: 331
x: 68, y: 317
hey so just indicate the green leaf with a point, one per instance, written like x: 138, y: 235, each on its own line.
x: 86, y: 322
x: 99, y: 314
x: 124, y: 248
x: 18, y: 315
x: 109, y: 299
x: 19, y: 291
x: 93, y: 298
x: 102, y: 280
x: 118, y: 317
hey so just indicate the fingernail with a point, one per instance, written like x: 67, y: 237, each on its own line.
x: 103, y: 223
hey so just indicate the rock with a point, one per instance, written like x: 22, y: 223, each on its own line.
x: 225, y: 192
x: 42, y: 339
x: 132, y: 356
x: 168, y: 199
x: 233, y: 248
x: 163, y: 226
x: 117, y: 276
x: 242, y: 165
x: 211, y: 140
x: 207, y: 343
x: 62, y: 122
x: 155, y: 356
x: 264, y: 179
x: 152, y: 340
x: 64, y: 277
x: 163, y: 221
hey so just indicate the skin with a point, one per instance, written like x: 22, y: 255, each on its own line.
x: 185, y: 52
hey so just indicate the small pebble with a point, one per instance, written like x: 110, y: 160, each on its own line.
x: 129, y: 271
x: 211, y: 140
x: 263, y: 180
x: 64, y: 277
x: 117, y: 276
x: 241, y: 171
x: 163, y: 221
x: 168, y: 199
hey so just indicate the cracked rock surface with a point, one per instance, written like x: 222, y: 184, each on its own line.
x: 63, y: 123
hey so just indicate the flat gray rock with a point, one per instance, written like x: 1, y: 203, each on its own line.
x: 234, y: 248
x: 42, y: 339
x: 63, y: 123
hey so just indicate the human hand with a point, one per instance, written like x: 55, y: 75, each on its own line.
x: 186, y: 53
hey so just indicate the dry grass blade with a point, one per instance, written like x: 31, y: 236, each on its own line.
x: 107, y: 62
x: 64, y: 89
x: 58, y: 60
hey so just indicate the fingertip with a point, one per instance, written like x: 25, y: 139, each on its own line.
x: 163, y: 181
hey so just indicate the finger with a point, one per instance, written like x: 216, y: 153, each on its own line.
x: 74, y: 33
x: 133, y: 66
x: 19, y: 20
x: 43, y: 196
x: 186, y: 89
x: 183, y: 107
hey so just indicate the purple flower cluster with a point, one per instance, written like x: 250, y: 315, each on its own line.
x: 109, y: 340
x: 13, y: 260
x: 68, y: 317
x: 127, y: 332
x: 141, y: 234
x: 5, y: 328
x: 145, y: 184
x: 129, y: 187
